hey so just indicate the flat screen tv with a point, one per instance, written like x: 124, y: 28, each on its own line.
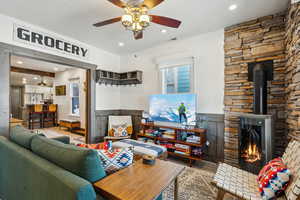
x: 176, y: 108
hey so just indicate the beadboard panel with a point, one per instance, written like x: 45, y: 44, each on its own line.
x: 214, y: 135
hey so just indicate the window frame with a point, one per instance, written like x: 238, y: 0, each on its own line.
x: 162, y: 77
x: 72, y: 96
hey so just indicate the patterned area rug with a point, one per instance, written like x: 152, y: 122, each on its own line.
x: 194, y: 184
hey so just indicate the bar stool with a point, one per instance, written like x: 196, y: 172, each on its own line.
x: 36, y: 116
x: 50, y: 115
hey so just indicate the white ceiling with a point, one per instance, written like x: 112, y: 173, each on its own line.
x: 28, y: 63
x: 17, y: 79
x: 74, y: 18
x: 44, y: 66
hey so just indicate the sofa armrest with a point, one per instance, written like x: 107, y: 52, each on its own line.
x: 25, y: 174
x: 63, y: 139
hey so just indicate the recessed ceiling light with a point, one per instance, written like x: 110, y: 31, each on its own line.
x: 232, y: 7
x: 35, y: 78
x: 24, y: 79
x: 163, y: 31
x: 55, y: 69
x: 121, y: 44
x: 19, y: 62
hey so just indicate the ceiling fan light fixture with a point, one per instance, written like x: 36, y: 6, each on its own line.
x: 144, y: 20
x: 136, y: 17
x: 136, y: 27
x: 127, y: 20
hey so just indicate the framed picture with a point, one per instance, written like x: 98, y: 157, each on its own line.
x: 60, y: 90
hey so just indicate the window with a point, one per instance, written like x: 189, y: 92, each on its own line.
x: 74, y: 93
x: 177, y: 79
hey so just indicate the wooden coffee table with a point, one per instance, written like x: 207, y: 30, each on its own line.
x: 140, y: 181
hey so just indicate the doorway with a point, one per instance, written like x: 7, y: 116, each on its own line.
x: 9, y: 51
x: 49, y: 98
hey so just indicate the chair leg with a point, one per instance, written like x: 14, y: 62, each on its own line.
x: 221, y: 194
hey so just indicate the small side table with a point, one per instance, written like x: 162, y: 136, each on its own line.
x: 70, y: 124
x: 15, y: 122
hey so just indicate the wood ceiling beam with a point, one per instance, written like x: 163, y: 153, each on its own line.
x: 31, y: 71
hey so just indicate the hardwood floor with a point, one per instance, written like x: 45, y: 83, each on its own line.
x: 56, y: 131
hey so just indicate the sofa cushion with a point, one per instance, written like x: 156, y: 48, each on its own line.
x: 82, y: 162
x: 26, y: 176
x: 103, y: 145
x: 21, y: 136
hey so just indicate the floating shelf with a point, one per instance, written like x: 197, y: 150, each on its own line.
x: 114, y: 78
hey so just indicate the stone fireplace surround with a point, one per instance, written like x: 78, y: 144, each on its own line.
x: 275, y: 37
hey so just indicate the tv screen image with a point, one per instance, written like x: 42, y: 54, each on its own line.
x: 177, y: 108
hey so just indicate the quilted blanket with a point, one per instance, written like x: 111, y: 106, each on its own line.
x: 141, y: 148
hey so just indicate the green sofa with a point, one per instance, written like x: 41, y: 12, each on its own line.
x: 33, y: 167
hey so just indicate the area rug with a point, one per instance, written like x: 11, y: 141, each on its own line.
x: 194, y: 184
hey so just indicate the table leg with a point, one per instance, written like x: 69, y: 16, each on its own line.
x: 176, y: 189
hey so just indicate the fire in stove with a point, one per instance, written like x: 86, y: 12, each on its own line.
x: 251, y: 153
x: 255, y: 142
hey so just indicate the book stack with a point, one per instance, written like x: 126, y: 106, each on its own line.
x: 169, y: 146
x: 193, y: 139
x: 149, y: 132
x: 182, y: 149
x: 169, y: 134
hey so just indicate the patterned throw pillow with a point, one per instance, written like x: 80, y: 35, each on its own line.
x: 116, y: 159
x: 120, y: 130
x: 103, y: 145
x: 273, y: 179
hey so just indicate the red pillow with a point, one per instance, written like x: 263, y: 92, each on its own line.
x: 103, y: 146
x: 273, y: 179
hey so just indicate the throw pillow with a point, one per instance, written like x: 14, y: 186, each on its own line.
x: 116, y: 159
x: 120, y: 130
x: 103, y: 145
x: 273, y: 179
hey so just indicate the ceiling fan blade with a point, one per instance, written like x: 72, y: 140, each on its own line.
x: 118, y: 3
x: 165, y: 21
x: 138, y: 35
x: 152, y: 3
x: 106, y: 22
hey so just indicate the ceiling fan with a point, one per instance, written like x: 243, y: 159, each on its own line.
x: 43, y: 82
x: 136, y: 17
